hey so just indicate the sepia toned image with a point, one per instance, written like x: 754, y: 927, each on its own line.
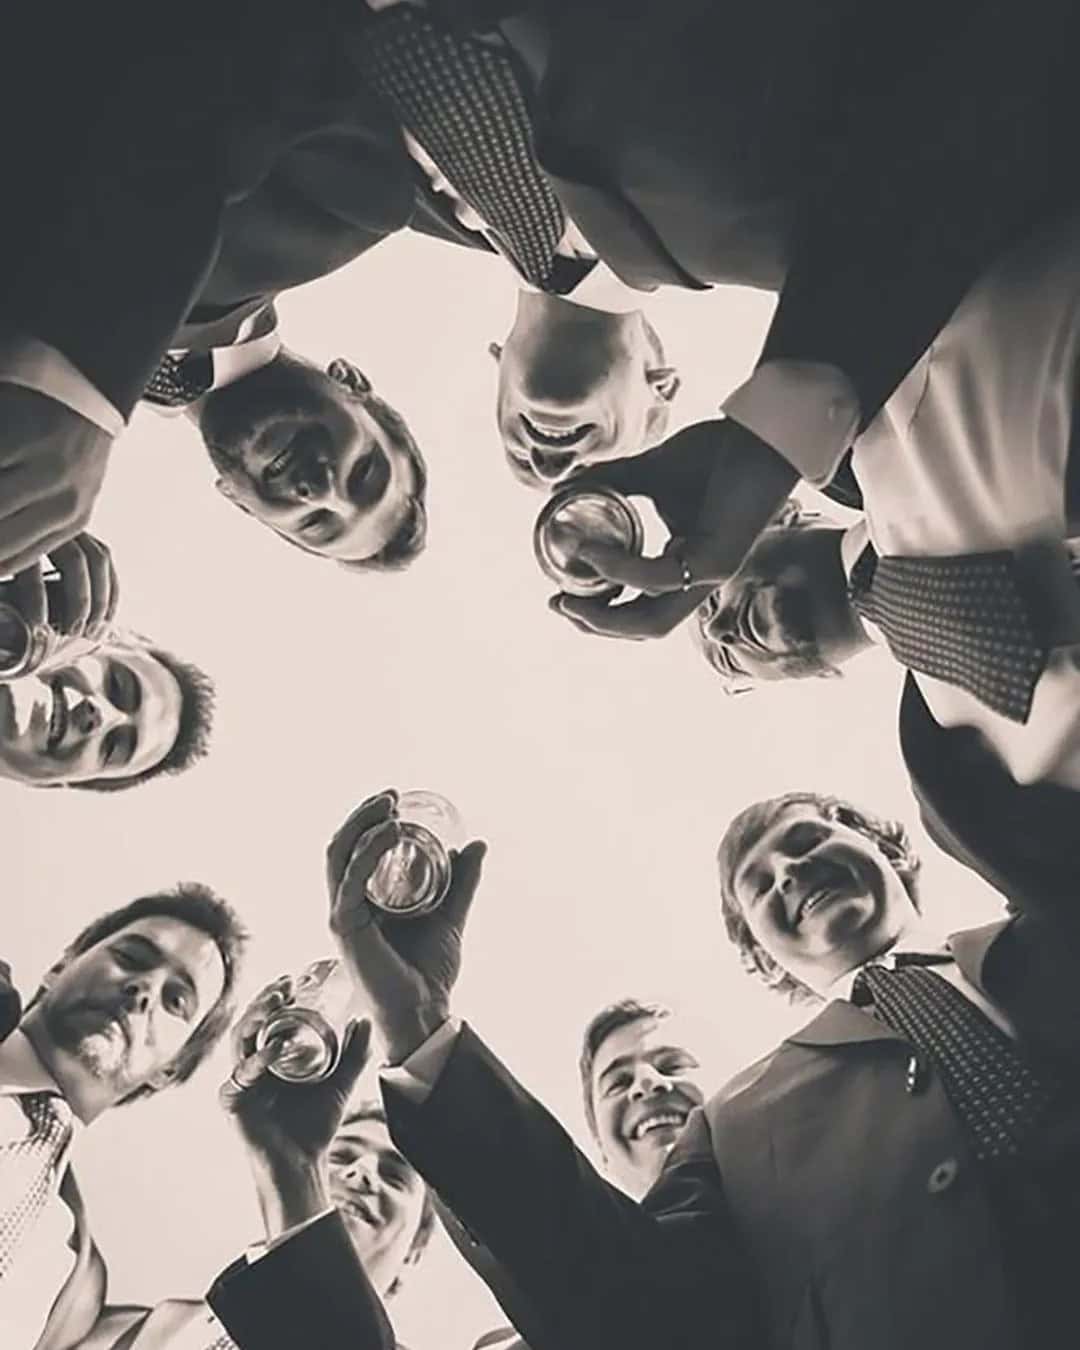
x: 539, y: 695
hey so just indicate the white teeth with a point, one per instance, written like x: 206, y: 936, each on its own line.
x: 24, y: 699
x: 657, y: 1122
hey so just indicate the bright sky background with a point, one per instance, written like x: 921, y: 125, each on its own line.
x: 602, y: 773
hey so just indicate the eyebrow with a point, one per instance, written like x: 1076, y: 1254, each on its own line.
x: 156, y: 955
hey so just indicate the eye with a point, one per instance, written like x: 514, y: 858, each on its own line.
x: 319, y: 526
x: 803, y: 837
x: 674, y: 1065
x: 617, y: 1084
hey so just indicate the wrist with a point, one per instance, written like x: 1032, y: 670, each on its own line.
x: 290, y: 1191
x: 405, y: 1032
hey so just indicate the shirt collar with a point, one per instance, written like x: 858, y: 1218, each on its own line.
x: 920, y: 939
x: 21, y: 1071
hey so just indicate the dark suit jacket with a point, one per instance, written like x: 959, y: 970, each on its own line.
x: 329, y: 197
x: 1023, y: 840
x: 866, y: 162
x: 814, y: 1202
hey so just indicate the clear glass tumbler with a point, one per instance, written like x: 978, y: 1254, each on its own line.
x: 307, y: 1033
x: 414, y: 876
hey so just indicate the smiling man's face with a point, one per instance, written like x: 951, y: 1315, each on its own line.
x: 113, y: 713
x: 644, y: 1085
x: 380, y: 1197
x: 820, y: 897
x: 317, y: 458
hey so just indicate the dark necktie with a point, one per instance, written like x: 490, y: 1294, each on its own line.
x: 28, y: 1170
x: 960, y: 619
x: 462, y: 101
x: 180, y: 381
x: 996, y: 1095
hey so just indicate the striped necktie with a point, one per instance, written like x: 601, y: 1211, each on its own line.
x: 28, y: 1170
x: 463, y: 102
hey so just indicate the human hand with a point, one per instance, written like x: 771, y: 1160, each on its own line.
x: 52, y: 462
x: 716, y: 486
x: 404, y: 968
x: 287, y: 1126
x: 81, y: 601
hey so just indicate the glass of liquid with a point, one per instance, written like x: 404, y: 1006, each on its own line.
x: 25, y: 647
x: 576, y: 516
x: 306, y: 1035
x: 413, y: 877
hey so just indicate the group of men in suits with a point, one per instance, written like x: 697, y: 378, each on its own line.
x: 903, y: 1166
x: 585, y: 139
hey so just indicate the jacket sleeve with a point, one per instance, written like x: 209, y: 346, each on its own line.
x: 311, y: 1291
x: 582, y: 1264
x: 936, y: 178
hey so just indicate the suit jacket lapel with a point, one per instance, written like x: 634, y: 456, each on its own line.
x: 841, y: 1023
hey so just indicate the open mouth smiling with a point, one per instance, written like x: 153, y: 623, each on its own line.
x: 658, y: 1120
x: 58, y: 717
x: 554, y: 438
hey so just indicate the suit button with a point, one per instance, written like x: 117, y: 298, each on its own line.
x: 943, y: 1176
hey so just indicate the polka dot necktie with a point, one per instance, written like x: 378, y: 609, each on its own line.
x: 28, y: 1167
x: 960, y: 619
x: 462, y: 101
x: 180, y: 380
x: 997, y: 1096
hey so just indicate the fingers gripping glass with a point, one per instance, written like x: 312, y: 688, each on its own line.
x: 306, y: 1035
x: 413, y: 877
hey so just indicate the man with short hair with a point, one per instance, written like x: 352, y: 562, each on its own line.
x: 905, y: 1167
x: 122, y: 714
x: 134, y: 1005
x: 344, y: 1216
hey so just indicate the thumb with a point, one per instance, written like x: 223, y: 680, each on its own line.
x: 354, y: 1056
x: 467, y: 867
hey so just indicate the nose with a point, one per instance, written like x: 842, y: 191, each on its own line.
x: 91, y: 715
x: 137, y: 993
x: 647, y: 1083
x: 312, y: 479
x: 359, y: 1174
x: 722, y: 625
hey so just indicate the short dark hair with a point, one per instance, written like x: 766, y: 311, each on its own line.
x: 197, y: 696
x: 608, y: 1020
x: 196, y: 905
x: 372, y: 1110
x: 748, y: 826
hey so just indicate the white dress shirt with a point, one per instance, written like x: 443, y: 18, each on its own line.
x: 970, y: 456
x: 47, y: 1256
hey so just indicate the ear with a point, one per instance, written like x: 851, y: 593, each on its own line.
x: 495, y: 351
x: 350, y: 377
x: 664, y: 381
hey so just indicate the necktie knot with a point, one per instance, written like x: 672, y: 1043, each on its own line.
x: 180, y: 381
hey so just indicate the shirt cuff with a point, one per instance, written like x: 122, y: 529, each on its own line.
x: 257, y: 1250
x: 35, y: 365
x: 416, y: 1077
x: 807, y: 411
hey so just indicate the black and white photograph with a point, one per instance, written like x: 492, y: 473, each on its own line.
x: 540, y: 675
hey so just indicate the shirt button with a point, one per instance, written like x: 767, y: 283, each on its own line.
x: 943, y: 1176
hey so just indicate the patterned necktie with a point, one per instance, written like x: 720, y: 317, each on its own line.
x: 28, y: 1170
x: 997, y: 1097
x: 180, y: 380
x: 960, y: 619
x: 462, y: 101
